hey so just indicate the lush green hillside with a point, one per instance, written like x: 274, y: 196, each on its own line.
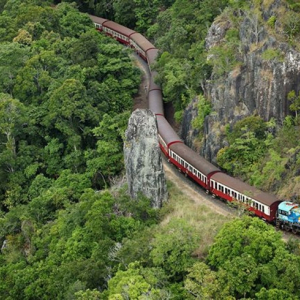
x: 65, y: 97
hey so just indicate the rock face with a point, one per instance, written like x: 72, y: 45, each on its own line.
x: 257, y: 85
x: 143, y: 161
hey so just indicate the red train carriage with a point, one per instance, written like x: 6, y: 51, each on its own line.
x: 166, y: 134
x: 262, y: 204
x: 152, y: 84
x: 192, y: 164
x: 154, y: 102
x: 115, y: 30
x: 98, y: 22
x: 119, y: 32
x: 141, y: 44
x: 151, y: 56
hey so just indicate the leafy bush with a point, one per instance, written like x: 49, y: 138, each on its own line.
x: 204, y: 109
x: 271, y: 54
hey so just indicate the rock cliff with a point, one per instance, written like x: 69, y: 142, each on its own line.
x: 267, y: 68
x: 143, y: 161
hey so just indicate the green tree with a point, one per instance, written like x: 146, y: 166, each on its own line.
x: 107, y: 160
x: 172, y: 248
x: 202, y: 283
x: 274, y: 294
x: 295, y: 103
x: 136, y: 283
x: 12, y: 59
x: 249, y: 255
x: 247, y: 235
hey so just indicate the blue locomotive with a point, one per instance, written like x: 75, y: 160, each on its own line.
x: 288, y: 216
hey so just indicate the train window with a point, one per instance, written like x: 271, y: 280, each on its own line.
x: 262, y: 208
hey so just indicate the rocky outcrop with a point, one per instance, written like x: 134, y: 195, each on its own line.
x: 143, y: 161
x: 268, y: 69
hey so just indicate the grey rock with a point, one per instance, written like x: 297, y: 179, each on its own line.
x: 257, y: 86
x: 143, y: 161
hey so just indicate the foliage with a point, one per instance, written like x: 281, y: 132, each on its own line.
x: 291, y: 24
x: 201, y: 282
x: 223, y: 58
x: 271, y: 22
x: 136, y: 283
x: 295, y: 104
x: 70, y: 253
x: 248, y: 144
x: 294, y: 5
x: 172, y: 248
x: 247, y: 255
x: 180, y: 33
x: 204, y: 109
x: 271, y: 54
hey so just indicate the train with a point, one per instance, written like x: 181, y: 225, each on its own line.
x: 284, y: 214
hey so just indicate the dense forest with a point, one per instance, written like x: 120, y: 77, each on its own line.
x: 68, y: 229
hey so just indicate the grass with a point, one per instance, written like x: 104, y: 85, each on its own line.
x: 204, y: 219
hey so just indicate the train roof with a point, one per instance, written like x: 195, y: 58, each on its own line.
x: 98, y: 20
x: 166, y: 131
x: 155, y: 102
x: 119, y: 28
x: 287, y: 205
x: 142, y: 41
x: 153, y: 85
x: 244, y: 188
x: 194, y: 159
x: 151, y: 56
